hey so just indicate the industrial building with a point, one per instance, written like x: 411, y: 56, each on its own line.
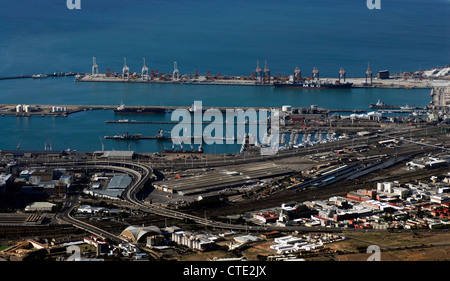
x: 114, y: 189
x: 383, y: 74
x: 211, y: 183
x: 5, y: 182
x: 40, y: 207
x: 193, y: 241
x: 429, y: 162
x: 115, y: 155
x: 139, y: 233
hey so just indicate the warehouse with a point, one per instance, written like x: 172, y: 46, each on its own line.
x: 211, y: 183
x: 115, y: 155
x: 40, y: 207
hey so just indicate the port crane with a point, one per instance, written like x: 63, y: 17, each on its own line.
x: 176, y: 73
x: 144, y: 72
x: 266, y: 72
x: 315, y: 73
x: 369, y: 73
x: 94, y: 66
x: 258, y: 72
x: 297, y: 73
x: 341, y: 74
x: 125, y: 70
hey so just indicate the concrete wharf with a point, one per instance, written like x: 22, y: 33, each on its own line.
x: 64, y: 110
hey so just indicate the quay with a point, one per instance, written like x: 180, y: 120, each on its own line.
x: 126, y: 121
x: 262, y: 77
x: 135, y: 137
x: 229, y: 80
x: 40, y: 76
x: 26, y: 110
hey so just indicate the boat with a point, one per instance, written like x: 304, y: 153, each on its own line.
x: 125, y: 136
x: 407, y: 107
x: 122, y: 109
x: 381, y: 104
x: 313, y: 85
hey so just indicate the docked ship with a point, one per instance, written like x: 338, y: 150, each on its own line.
x: 382, y: 105
x: 313, y: 85
x: 122, y: 109
x: 125, y: 136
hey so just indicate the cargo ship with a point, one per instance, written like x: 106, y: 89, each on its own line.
x: 313, y: 85
x: 122, y: 109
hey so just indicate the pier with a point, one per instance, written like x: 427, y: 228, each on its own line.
x: 28, y: 110
x: 230, y: 80
x: 260, y: 77
x: 40, y: 76
x: 136, y: 137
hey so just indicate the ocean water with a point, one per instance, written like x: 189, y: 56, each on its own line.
x: 224, y: 37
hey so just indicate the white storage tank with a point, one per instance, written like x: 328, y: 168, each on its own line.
x: 19, y: 108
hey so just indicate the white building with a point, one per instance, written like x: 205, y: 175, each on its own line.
x: 40, y: 206
x: 87, y: 209
x: 191, y: 240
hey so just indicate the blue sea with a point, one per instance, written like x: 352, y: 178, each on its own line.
x: 226, y: 37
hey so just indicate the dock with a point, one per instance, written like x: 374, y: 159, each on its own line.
x: 234, y: 80
x: 40, y: 76
x: 26, y: 110
x: 136, y: 137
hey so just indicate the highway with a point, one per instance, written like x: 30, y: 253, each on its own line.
x: 65, y: 215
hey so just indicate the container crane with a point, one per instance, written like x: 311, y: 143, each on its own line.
x: 125, y: 70
x: 94, y: 66
x: 176, y: 73
x: 341, y: 74
x: 369, y: 73
x: 297, y: 73
x: 315, y: 73
x: 258, y: 72
x: 266, y: 72
x: 144, y: 72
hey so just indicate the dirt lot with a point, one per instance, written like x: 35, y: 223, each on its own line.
x: 411, y: 246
